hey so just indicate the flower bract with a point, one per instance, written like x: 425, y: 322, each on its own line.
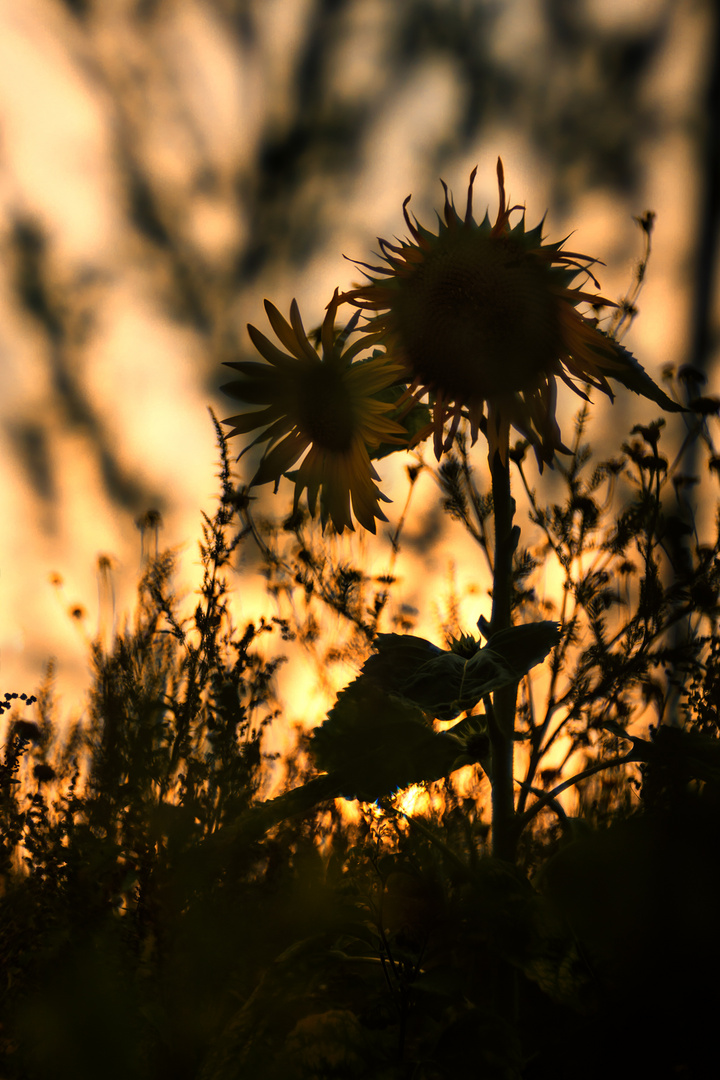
x: 322, y: 405
x: 484, y: 319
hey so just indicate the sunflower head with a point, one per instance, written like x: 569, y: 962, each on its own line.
x: 483, y: 317
x: 321, y: 406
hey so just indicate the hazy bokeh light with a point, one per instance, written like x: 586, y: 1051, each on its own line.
x: 165, y: 166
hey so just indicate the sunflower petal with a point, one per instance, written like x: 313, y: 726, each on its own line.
x: 245, y: 422
x: 260, y: 388
x: 271, y: 352
x: 296, y: 344
x: 299, y: 330
x: 281, y: 458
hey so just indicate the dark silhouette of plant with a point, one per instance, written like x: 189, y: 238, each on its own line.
x: 160, y: 915
x: 114, y: 948
x: 549, y: 910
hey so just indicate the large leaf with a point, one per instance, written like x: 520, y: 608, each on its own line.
x: 379, y: 737
x: 446, y: 683
x: 397, y: 658
x: 374, y: 743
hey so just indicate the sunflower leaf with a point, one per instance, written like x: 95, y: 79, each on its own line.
x: 522, y: 647
x: 374, y: 743
x: 634, y: 376
x: 378, y: 737
x: 446, y: 683
x: 396, y: 659
x: 414, y: 421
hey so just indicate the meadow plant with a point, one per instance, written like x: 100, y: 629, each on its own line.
x: 527, y: 885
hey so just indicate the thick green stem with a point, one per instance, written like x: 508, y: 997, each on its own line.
x: 502, y: 727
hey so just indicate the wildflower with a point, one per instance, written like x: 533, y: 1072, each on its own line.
x: 484, y: 317
x: 321, y: 405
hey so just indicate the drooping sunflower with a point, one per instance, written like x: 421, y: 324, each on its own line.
x: 484, y: 318
x: 321, y: 405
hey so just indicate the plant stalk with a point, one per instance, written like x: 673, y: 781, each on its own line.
x: 502, y: 721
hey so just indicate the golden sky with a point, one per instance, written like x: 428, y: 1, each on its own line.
x: 195, y: 105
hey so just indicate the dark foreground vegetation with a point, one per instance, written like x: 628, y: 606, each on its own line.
x: 159, y: 918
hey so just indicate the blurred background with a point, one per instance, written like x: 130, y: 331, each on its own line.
x: 165, y: 165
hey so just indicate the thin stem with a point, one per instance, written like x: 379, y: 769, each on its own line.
x: 502, y: 727
x: 548, y: 797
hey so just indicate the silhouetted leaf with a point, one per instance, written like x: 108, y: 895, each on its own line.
x: 446, y: 683
x: 373, y: 743
x: 634, y: 376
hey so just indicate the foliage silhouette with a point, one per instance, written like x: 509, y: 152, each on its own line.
x: 144, y: 923
x: 158, y: 916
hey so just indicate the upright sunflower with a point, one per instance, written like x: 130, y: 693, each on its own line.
x: 483, y: 318
x: 324, y: 406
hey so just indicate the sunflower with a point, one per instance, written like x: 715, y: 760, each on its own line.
x: 483, y: 318
x: 322, y: 405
